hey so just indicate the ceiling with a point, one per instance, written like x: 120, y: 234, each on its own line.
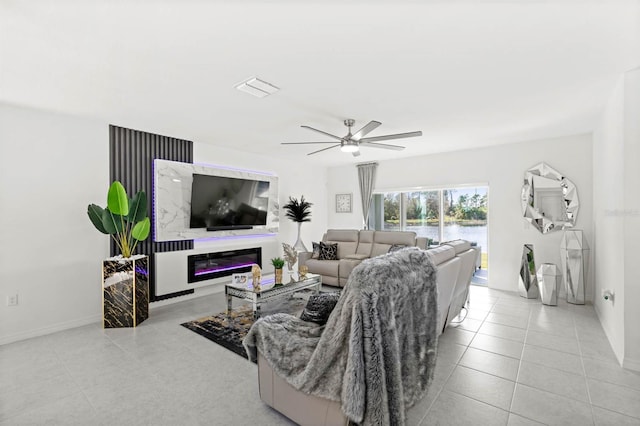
x: 466, y: 73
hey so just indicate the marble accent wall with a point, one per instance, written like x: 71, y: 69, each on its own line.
x: 172, y: 201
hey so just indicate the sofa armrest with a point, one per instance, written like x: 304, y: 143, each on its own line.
x: 302, y: 408
x: 421, y: 242
x: 303, y: 256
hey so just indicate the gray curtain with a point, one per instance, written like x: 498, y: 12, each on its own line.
x: 367, y: 179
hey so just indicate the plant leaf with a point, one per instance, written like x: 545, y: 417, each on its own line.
x: 95, y: 213
x: 141, y: 230
x: 298, y: 211
x: 138, y: 207
x: 112, y: 222
x: 117, y: 200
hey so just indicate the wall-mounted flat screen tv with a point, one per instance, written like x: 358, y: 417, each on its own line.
x: 219, y: 203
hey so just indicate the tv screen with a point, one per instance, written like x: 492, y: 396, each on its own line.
x: 219, y: 202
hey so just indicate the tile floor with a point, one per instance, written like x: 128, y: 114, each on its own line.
x: 511, y: 362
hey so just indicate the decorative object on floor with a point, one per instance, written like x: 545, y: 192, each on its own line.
x: 125, y: 278
x: 366, y: 182
x: 574, y: 254
x: 228, y: 330
x: 256, y: 273
x: 299, y: 212
x: 356, y: 358
x: 290, y: 255
x: 549, y: 200
x: 549, y: 283
x: 352, y: 142
x: 278, y: 263
x: 343, y: 203
x: 528, y: 286
x: 125, y: 293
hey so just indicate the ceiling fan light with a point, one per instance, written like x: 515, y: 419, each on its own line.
x: 349, y: 147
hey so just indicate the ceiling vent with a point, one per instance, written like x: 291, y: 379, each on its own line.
x: 256, y: 87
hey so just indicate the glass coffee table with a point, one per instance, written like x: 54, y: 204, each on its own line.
x: 269, y: 291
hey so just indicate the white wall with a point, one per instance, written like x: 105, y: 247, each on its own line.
x: 617, y: 217
x: 51, y: 167
x: 608, y: 198
x: 502, y: 168
x: 631, y: 218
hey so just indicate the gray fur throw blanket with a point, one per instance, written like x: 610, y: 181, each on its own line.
x: 376, y: 355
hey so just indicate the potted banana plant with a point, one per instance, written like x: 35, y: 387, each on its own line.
x: 125, y: 278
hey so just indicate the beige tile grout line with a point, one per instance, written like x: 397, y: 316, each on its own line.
x: 584, y: 370
x: 513, y: 397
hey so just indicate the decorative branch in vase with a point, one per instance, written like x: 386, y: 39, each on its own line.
x: 299, y: 212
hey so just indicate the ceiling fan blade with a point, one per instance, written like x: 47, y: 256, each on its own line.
x: 366, y: 129
x: 323, y: 149
x: 389, y: 137
x: 301, y: 143
x: 324, y: 133
x: 382, y: 145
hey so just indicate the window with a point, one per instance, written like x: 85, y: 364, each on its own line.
x: 422, y: 213
x: 441, y: 215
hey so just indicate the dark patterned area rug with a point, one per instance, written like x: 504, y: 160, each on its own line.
x: 228, y: 330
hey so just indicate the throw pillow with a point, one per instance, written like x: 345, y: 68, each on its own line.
x: 328, y: 251
x: 316, y: 250
x: 396, y: 247
x: 319, y: 307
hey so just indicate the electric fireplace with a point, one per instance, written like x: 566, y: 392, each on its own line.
x: 207, y: 266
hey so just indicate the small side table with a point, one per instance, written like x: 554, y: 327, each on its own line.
x: 549, y: 278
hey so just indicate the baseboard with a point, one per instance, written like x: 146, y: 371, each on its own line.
x: 4, y: 340
x: 631, y: 364
x: 198, y: 292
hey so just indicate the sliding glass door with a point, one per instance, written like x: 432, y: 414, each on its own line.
x: 441, y: 215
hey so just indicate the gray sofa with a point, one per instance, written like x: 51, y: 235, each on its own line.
x: 353, y: 247
x: 455, y: 263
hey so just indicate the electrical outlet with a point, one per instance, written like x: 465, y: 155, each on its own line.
x: 12, y: 300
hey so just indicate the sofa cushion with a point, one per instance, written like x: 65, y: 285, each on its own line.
x: 459, y: 245
x: 396, y: 247
x: 319, y: 307
x: 324, y: 267
x: 365, y: 242
x: 356, y: 257
x: 383, y: 240
x: 347, y: 240
x: 328, y: 251
x: 441, y: 254
x: 316, y: 250
x: 346, y: 266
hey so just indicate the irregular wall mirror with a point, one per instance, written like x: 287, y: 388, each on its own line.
x: 549, y: 200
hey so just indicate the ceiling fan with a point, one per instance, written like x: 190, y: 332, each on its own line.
x: 352, y: 142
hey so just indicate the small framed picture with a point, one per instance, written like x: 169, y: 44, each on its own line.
x: 240, y: 279
x: 343, y: 203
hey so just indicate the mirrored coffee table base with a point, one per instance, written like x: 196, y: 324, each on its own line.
x: 269, y: 291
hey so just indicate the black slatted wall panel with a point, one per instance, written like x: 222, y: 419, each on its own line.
x: 131, y: 162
